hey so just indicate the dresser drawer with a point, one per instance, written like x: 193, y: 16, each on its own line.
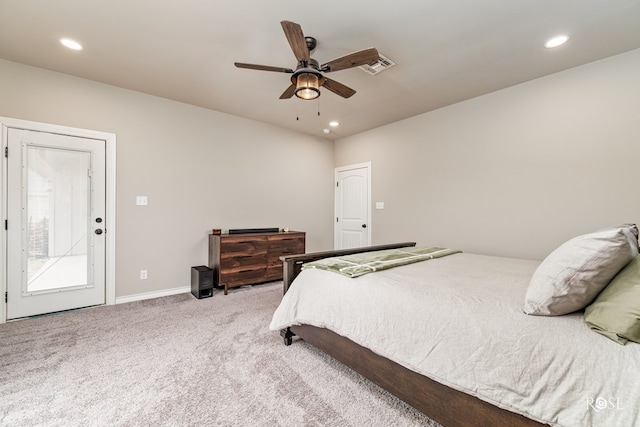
x: 286, y: 245
x: 273, y: 260
x: 230, y: 262
x: 243, y: 246
x: 243, y: 276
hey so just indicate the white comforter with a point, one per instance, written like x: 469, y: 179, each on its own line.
x: 459, y: 321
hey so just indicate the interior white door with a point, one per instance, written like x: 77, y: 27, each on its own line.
x: 352, y: 202
x: 55, y: 222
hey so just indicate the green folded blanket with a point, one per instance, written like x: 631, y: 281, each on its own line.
x: 367, y: 262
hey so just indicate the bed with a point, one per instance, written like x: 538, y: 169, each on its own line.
x: 479, y: 360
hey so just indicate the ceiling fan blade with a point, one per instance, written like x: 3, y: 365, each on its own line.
x: 338, y: 88
x: 295, y: 36
x: 288, y: 93
x: 263, y: 67
x: 351, y: 60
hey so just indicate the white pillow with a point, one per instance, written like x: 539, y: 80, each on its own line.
x: 572, y: 276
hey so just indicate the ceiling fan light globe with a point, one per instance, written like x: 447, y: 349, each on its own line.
x: 307, y: 94
x: 307, y: 86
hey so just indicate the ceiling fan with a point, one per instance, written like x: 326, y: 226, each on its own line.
x: 308, y: 76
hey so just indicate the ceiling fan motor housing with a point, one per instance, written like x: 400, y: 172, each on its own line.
x: 312, y: 66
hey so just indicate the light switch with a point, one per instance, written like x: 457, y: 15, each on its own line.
x: 379, y: 205
x: 141, y: 200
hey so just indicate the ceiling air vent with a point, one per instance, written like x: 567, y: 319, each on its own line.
x: 380, y: 65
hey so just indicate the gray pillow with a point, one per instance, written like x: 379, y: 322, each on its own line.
x: 615, y: 313
x: 574, y: 274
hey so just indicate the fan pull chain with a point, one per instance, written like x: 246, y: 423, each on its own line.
x: 298, y: 110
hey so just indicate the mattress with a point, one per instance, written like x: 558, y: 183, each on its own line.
x: 459, y: 321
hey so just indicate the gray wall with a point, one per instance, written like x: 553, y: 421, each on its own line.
x: 199, y: 168
x: 512, y: 173
x: 515, y: 172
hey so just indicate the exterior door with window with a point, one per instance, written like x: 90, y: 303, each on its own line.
x: 352, y: 202
x: 55, y: 222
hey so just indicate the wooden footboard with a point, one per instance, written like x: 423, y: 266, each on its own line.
x: 445, y: 405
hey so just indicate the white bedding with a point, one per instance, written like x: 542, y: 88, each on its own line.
x: 459, y: 321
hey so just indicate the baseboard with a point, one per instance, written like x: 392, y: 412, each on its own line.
x: 154, y: 294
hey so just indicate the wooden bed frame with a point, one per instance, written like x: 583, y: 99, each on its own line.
x: 443, y: 404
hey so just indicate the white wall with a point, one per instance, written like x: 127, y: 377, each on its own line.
x: 199, y: 168
x: 515, y: 172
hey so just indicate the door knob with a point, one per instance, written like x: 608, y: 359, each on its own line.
x: 364, y: 225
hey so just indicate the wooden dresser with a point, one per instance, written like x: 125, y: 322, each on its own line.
x: 248, y: 258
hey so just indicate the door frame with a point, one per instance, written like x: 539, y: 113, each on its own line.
x: 337, y: 170
x: 110, y: 200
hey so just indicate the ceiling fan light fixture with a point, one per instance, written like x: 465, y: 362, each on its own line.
x: 307, y: 86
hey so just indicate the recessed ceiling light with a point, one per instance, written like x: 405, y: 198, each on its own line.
x: 71, y: 44
x: 556, y: 41
x: 333, y: 124
x: 326, y: 131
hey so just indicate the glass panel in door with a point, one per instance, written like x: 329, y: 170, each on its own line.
x: 57, y: 218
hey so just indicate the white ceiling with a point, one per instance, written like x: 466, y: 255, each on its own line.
x: 446, y: 50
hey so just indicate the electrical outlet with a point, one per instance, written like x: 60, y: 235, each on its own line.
x: 143, y: 274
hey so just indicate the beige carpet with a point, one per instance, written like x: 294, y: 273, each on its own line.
x: 180, y: 361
